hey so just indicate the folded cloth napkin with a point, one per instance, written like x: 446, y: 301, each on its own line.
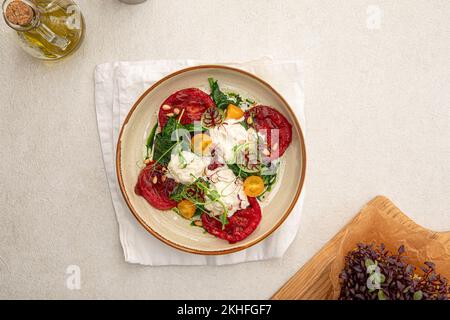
x: 117, y: 86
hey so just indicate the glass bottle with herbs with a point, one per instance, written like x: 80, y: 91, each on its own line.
x: 47, y: 29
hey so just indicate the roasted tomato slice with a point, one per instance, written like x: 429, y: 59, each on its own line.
x: 155, y: 187
x: 193, y: 101
x: 265, y: 120
x: 239, y: 226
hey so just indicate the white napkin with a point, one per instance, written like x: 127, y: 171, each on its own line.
x: 117, y: 87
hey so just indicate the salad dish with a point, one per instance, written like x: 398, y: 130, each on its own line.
x: 211, y: 162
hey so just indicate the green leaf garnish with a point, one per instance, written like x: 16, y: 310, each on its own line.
x: 164, y: 143
x: 224, y: 219
x: 221, y: 99
x: 191, y: 127
x: 151, y: 139
x: 192, y: 193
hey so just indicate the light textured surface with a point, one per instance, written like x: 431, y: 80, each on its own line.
x: 378, y: 122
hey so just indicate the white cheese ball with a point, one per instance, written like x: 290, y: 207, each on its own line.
x: 230, y: 189
x: 185, y: 167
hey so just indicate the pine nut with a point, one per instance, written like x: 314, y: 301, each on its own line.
x: 163, y: 178
x: 275, y: 147
x: 166, y: 107
x: 198, y: 223
x: 176, y: 111
x: 170, y: 114
x: 155, y: 180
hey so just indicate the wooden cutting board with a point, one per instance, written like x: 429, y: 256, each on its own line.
x: 312, y: 281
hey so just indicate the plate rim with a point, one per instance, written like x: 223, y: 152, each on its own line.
x: 177, y: 245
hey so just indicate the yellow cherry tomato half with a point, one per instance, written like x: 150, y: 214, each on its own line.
x: 186, y: 208
x: 200, y: 143
x: 253, y: 186
x: 234, y: 112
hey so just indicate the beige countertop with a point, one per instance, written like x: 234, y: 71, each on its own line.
x: 377, y: 85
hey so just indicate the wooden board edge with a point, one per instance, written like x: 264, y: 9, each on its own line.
x: 298, y: 288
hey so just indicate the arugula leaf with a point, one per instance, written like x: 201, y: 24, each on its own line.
x: 178, y: 193
x: 237, y: 98
x: 164, y: 143
x: 199, y: 211
x: 238, y: 171
x: 188, y: 192
x: 244, y: 124
x: 269, y: 181
x: 224, y: 220
x: 151, y: 139
x: 194, y: 128
x: 213, y: 195
x: 220, y: 99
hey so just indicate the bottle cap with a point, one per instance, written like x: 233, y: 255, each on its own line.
x: 19, y: 13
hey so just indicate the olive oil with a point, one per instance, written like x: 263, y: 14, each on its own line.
x: 47, y: 29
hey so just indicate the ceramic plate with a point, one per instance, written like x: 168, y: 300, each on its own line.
x: 171, y: 228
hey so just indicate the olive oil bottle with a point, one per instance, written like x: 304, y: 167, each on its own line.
x: 47, y: 29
